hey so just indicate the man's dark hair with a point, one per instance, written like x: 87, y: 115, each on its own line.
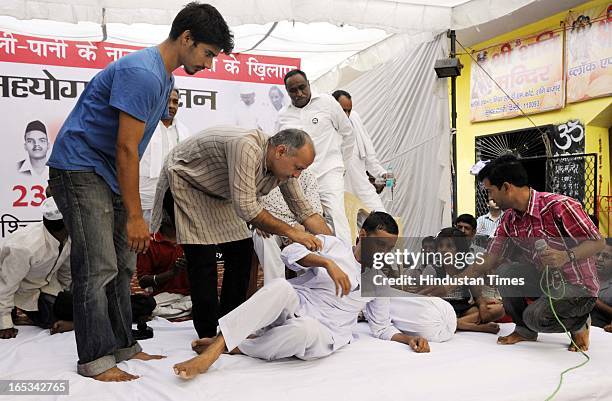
x: 429, y: 239
x: 468, y: 219
x: 295, y: 72
x: 339, y: 93
x: 205, y: 24
x: 609, y: 241
x: 504, y: 169
x: 461, y: 241
x: 380, y: 221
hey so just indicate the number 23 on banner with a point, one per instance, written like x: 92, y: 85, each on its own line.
x: 37, y: 196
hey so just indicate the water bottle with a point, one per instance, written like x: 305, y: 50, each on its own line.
x: 390, y: 184
x: 390, y: 181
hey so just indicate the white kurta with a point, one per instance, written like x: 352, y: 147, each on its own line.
x: 30, y: 264
x: 303, y: 317
x: 363, y: 159
x: 249, y: 116
x: 332, y: 134
x: 268, y: 249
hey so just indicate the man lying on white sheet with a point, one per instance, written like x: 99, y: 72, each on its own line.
x: 304, y: 317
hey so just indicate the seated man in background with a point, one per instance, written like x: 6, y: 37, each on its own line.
x: 305, y: 317
x: 475, y: 312
x: 34, y: 269
x: 468, y: 225
x: 268, y: 246
x: 602, y: 312
x: 163, y: 270
x: 487, y: 224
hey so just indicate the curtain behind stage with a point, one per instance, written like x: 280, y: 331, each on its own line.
x: 404, y: 107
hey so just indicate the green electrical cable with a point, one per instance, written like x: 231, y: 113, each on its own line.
x: 550, y: 300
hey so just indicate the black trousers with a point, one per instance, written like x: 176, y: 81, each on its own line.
x: 202, y: 273
x: 573, y: 309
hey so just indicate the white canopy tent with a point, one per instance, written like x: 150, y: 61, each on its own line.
x: 323, y: 33
x: 362, y: 45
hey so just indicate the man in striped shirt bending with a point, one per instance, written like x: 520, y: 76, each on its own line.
x: 539, y: 233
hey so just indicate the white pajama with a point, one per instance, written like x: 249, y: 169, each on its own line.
x: 280, y: 333
x: 429, y: 317
x: 268, y: 252
x: 331, y: 192
x: 303, y: 317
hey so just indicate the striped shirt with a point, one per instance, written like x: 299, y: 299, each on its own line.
x: 217, y: 178
x: 558, y: 219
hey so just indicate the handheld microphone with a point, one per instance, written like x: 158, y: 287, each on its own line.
x: 541, y: 246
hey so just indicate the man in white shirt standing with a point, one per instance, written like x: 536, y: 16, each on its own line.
x: 487, y: 224
x: 268, y: 246
x: 363, y: 159
x: 34, y: 269
x: 168, y: 133
x: 331, y: 132
x: 311, y: 316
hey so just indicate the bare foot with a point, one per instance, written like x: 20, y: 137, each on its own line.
x: 61, y: 326
x: 202, y: 344
x: 194, y: 366
x: 581, y: 338
x: 115, y: 374
x: 201, y: 363
x: 512, y: 339
x: 143, y: 356
x: 491, y: 327
x: 608, y: 328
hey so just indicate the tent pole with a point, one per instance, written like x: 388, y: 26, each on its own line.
x: 451, y: 35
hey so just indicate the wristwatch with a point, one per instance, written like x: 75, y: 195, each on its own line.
x: 572, y: 256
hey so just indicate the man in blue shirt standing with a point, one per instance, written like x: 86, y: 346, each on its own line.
x: 94, y: 179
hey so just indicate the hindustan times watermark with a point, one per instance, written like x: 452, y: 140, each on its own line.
x: 492, y: 280
x: 414, y: 265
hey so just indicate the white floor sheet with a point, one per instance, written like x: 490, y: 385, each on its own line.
x: 471, y: 366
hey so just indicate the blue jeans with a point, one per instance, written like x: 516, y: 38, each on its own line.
x: 101, y: 265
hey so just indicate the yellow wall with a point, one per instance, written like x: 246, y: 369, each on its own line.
x: 584, y: 111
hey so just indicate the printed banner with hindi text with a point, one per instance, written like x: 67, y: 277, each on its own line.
x: 41, y: 80
x: 529, y: 70
x: 589, y: 54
